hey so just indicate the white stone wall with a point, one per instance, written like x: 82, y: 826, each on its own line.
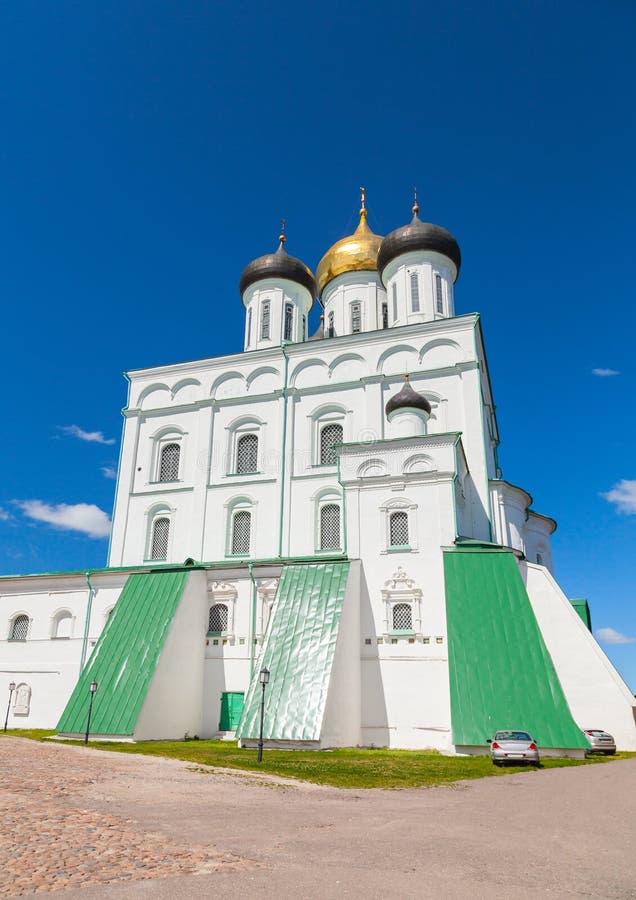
x: 421, y: 267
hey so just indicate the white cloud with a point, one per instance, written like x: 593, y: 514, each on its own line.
x: 605, y: 373
x: 611, y: 636
x: 108, y: 472
x: 95, y: 437
x: 623, y: 496
x: 4, y: 515
x: 84, y: 517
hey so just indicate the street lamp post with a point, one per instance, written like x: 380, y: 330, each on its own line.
x: 11, y: 690
x: 92, y: 688
x: 263, y: 677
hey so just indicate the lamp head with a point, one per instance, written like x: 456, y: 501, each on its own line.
x: 12, y: 686
x: 92, y: 687
x: 264, y: 676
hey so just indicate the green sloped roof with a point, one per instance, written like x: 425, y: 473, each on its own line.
x: 298, y: 651
x: 125, y: 656
x: 501, y: 674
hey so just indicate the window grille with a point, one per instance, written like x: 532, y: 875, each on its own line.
x: 247, y: 454
x: 169, y: 467
x: 402, y: 617
x: 329, y: 437
x: 399, y: 529
x: 249, y: 327
x: 330, y: 329
x: 330, y: 527
x: 160, y: 533
x: 385, y: 315
x: 395, y: 309
x: 241, y: 528
x: 218, y: 618
x: 415, y: 292
x: 289, y: 322
x: 19, y: 628
x: 355, y: 318
x: 439, y: 296
x: 265, y: 321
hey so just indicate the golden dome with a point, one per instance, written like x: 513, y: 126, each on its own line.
x: 354, y: 253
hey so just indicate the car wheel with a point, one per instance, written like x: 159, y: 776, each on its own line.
x: 610, y: 752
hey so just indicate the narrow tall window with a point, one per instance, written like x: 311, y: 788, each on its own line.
x: 355, y: 318
x: 288, y: 330
x: 249, y: 327
x: 160, y: 534
x: 247, y: 454
x: 265, y: 321
x: 330, y: 527
x: 415, y: 292
x: 330, y: 435
x: 330, y: 328
x: 304, y: 334
x: 402, y: 617
x: 241, y: 529
x: 385, y: 315
x: 218, y: 618
x: 395, y: 309
x: 439, y: 296
x: 169, y: 465
x: 399, y: 529
x: 19, y: 628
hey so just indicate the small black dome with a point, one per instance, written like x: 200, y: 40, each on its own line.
x: 278, y: 265
x: 407, y: 399
x: 418, y: 235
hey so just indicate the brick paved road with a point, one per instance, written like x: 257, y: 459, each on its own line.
x: 104, y: 826
x: 50, y: 840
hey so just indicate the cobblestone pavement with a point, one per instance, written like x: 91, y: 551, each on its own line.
x: 95, y: 825
x: 49, y: 841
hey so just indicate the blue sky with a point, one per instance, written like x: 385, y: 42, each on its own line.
x: 149, y: 151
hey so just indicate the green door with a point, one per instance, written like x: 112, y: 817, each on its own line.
x: 231, y: 709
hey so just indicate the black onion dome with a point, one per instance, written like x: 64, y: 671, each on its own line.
x: 418, y: 235
x: 407, y: 399
x: 278, y: 265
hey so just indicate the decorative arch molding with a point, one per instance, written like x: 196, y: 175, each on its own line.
x: 221, y: 385
x: 162, y: 396
x: 330, y: 492
x: 167, y: 431
x: 303, y: 367
x: 245, y: 421
x: 431, y: 347
x: 419, y: 462
x: 262, y: 374
x: 325, y: 409
x: 191, y: 388
x: 372, y: 468
x: 240, y: 500
x: 391, y: 353
x: 344, y: 362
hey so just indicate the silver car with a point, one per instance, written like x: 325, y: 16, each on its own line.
x: 601, y: 741
x: 517, y: 748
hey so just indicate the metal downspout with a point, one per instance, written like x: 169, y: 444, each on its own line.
x: 250, y: 567
x: 87, y: 623
x: 344, y: 511
x: 283, y: 459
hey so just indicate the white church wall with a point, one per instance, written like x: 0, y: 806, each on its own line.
x: 595, y: 692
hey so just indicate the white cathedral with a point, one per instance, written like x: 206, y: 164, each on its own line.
x: 330, y: 508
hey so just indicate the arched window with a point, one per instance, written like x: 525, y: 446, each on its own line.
x: 385, y: 315
x: 247, y: 454
x: 288, y: 326
x: 218, y: 618
x: 398, y: 529
x: 62, y: 625
x: 241, y: 532
x: 19, y: 628
x: 439, y: 296
x: 169, y: 465
x: 395, y: 304
x: 330, y: 435
x: 402, y: 617
x: 160, y: 535
x: 330, y: 326
x: 330, y: 527
x: 415, y: 292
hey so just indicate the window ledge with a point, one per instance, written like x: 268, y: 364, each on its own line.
x: 401, y: 633
x: 399, y: 548
x: 17, y: 640
x: 237, y: 555
x: 328, y: 551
